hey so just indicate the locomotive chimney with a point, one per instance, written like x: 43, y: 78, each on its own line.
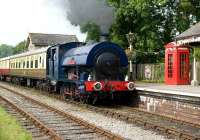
x: 104, y: 37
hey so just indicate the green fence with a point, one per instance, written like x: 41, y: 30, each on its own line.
x: 149, y: 72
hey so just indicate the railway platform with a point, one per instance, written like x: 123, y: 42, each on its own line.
x: 181, y: 92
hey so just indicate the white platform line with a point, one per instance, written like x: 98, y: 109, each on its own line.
x: 169, y: 92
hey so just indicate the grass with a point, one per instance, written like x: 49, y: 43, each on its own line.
x: 10, y: 129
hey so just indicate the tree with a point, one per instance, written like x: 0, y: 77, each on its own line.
x: 155, y: 22
x: 92, y: 30
x: 5, y: 50
x: 20, y: 47
x: 197, y: 53
x: 140, y: 17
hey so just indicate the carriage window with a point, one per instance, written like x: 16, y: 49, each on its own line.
x: 54, y: 57
x: 36, y: 63
x: 19, y: 65
x: 27, y: 64
x: 24, y: 63
x: 42, y: 63
x: 31, y: 64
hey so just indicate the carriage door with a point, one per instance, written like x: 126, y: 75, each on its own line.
x: 54, y: 65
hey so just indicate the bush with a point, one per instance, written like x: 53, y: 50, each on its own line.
x: 197, y: 53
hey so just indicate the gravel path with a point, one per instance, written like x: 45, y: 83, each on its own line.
x: 128, y: 131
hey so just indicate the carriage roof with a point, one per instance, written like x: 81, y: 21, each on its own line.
x: 38, y: 51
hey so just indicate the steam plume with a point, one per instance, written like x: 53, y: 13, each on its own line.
x: 82, y: 11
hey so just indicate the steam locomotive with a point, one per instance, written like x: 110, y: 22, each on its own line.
x: 85, y: 72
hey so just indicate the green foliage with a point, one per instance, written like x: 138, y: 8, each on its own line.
x: 154, y: 22
x: 20, y: 47
x: 139, y: 17
x: 92, y: 30
x: 5, y: 50
x: 10, y: 129
x: 197, y: 53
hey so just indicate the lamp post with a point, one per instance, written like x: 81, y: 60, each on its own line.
x: 194, y: 82
x: 131, y: 40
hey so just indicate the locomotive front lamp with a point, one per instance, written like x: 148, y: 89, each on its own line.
x: 131, y: 86
x: 97, y: 86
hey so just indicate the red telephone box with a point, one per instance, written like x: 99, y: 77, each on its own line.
x: 176, y: 64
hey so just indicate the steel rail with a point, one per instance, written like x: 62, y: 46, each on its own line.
x: 34, y: 120
x: 96, y: 129
x: 136, y: 120
x: 147, y: 124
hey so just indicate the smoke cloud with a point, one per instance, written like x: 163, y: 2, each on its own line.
x: 82, y: 11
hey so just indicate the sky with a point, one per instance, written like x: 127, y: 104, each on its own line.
x: 19, y: 17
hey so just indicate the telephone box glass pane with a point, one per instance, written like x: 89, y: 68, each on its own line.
x: 170, y: 65
x: 183, y: 66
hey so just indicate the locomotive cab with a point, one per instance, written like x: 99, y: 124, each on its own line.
x: 56, y: 73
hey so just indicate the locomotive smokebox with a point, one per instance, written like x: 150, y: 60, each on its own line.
x: 107, y: 65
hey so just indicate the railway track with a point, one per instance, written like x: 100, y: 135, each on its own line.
x: 51, y: 122
x: 25, y: 121
x: 174, y: 128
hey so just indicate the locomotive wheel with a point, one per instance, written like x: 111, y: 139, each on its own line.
x: 88, y: 99
x: 94, y: 101
x: 72, y: 91
x: 67, y: 96
x: 83, y: 99
x: 62, y: 93
x: 72, y: 97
